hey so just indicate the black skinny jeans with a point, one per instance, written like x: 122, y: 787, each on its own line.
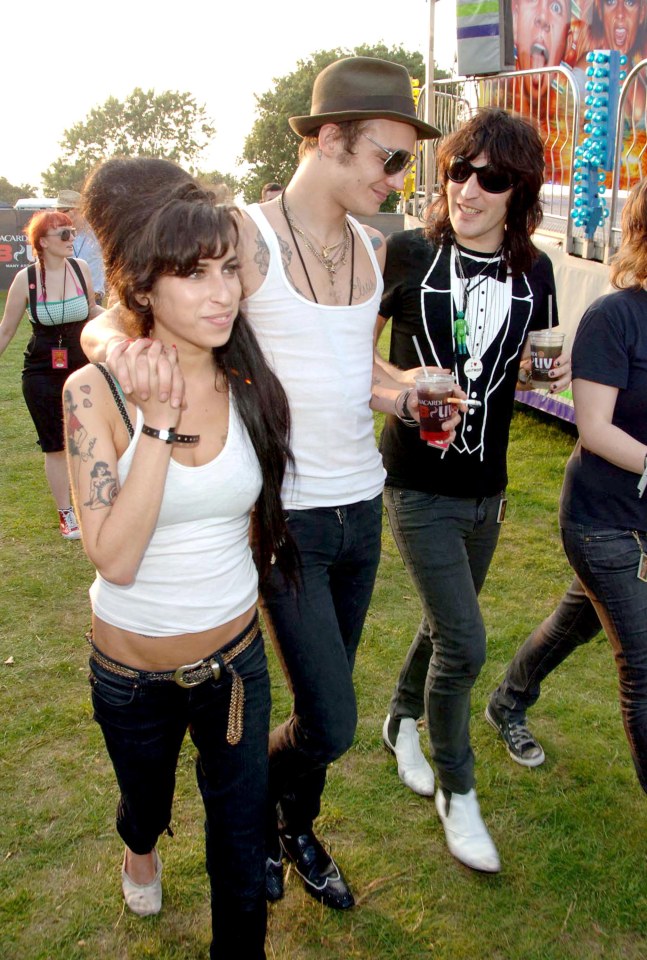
x: 316, y: 630
x: 144, y: 723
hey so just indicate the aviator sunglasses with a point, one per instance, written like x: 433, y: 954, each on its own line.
x: 460, y: 170
x: 397, y: 161
x: 65, y: 234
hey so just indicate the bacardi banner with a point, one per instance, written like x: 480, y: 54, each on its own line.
x: 15, y: 252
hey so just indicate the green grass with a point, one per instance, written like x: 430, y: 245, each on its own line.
x: 571, y: 833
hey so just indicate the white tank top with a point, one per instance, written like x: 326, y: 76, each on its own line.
x: 197, y: 572
x: 323, y: 356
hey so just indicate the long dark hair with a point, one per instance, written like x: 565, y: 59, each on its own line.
x: 183, y: 225
x: 512, y: 145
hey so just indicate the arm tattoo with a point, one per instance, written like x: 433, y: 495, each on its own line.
x: 103, y: 487
x: 376, y: 242
x: 262, y: 256
x: 78, y: 444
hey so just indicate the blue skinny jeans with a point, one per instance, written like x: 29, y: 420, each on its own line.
x: 606, y: 561
x: 572, y: 623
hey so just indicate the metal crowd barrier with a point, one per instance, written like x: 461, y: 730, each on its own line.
x: 553, y: 98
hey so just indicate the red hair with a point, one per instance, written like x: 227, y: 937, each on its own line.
x: 41, y: 223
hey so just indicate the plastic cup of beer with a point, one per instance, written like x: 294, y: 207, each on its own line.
x: 545, y: 348
x: 434, y: 390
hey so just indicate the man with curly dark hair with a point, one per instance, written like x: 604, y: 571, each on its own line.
x: 470, y: 287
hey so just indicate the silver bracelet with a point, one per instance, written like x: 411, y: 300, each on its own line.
x: 405, y: 417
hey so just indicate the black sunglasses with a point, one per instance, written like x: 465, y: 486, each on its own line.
x: 65, y: 234
x: 460, y: 170
x: 396, y: 161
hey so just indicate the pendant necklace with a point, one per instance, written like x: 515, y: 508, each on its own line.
x: 473, y: 365
x: 327, y: 258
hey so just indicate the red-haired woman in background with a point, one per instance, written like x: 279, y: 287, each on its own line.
x: 57, y: 291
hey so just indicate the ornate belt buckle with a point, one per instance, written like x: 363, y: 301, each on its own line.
x: 178, y: 676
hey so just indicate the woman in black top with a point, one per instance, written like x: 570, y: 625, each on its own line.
x: 603, y: 510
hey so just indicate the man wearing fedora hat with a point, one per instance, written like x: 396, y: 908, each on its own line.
x: 86, y: 245
x: 311, y: 278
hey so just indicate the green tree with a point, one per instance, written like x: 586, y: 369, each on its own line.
x: 10, y: 193
x: 169, y: 124
x: 271, y: 147
x: 228, y: 186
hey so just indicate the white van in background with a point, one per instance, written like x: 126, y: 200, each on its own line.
x: 36, y: 203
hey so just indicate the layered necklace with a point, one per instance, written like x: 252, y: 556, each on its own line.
x: 331, y: 256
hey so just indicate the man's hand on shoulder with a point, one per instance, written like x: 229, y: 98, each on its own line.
x: 97, y: 334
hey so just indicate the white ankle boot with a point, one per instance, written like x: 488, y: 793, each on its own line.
x: 413, y: 769
x: 467, y: 836
x: 144, y: 899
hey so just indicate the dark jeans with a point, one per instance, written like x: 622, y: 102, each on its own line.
x: 447, y: 545
x: 573, y: 623
x: 606, y: 561
x: 317, y: 629
x: 144, y: 723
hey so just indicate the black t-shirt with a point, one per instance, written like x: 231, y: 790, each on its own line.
x: 611, y: 348
x: 423, y: 289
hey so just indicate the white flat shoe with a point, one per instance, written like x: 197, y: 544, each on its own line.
x: 144, y: 899
x: 467, y: 836
x: 413, y: 769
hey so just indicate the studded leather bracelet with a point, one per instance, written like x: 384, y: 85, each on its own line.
x: 170, y: 436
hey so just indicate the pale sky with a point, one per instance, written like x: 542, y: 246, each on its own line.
x: 67, y: 59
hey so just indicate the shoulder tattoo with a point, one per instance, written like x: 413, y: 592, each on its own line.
x: 262, y: 255
x: 286, y: 260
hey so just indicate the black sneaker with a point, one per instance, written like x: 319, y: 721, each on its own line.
x: 522, y: 746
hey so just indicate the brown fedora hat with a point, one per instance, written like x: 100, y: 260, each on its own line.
x: 362, y: 88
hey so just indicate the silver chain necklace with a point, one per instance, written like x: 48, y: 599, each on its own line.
x: 327, y: 258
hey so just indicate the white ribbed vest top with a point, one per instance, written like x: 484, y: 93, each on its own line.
x: 323, y: 356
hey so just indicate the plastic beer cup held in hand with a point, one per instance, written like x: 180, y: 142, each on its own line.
x: 545, y: 348
x: 433, y: 390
